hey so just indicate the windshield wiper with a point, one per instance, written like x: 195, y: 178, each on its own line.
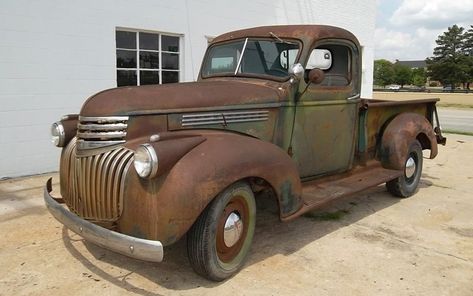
x: 279, y: 39
x: 241, y: 57
x: 276, y: 36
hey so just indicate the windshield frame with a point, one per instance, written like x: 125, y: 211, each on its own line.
x: 299, y: 43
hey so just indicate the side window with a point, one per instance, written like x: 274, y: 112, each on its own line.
x: 288, y: 57
x: 335, y: 61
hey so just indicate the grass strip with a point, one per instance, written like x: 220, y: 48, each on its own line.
x: 448, y: 131
x: 452, y: 105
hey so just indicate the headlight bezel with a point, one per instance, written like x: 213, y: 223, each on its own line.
x: 58, y: 134
x: 151, y: 160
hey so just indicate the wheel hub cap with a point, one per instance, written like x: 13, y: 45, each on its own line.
x: 410, y: 167
x: 233, y: 229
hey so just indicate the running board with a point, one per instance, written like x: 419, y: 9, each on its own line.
x: 319, y: 193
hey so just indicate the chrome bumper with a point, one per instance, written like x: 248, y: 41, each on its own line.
x: 138, y: 248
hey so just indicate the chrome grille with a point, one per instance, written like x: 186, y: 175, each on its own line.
x: 93, y: 185
x: 223, y: 117
x: 97, y: 132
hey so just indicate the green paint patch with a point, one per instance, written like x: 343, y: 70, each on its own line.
x: 327, y: 216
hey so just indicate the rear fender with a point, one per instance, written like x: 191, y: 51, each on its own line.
x: 398, y: 135
x: 174, y: 200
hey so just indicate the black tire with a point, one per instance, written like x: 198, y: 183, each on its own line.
x: 209, y: 253
x: 406, y: 185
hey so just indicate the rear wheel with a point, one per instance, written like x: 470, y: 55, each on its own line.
x: 219, y: 241
x: 406, y: 185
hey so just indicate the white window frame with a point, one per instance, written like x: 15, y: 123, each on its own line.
x: 160, y: 52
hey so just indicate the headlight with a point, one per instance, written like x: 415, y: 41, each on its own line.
x: 58, y: 135
x: 146, y: 161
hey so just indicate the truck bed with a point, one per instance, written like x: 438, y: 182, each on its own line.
x: 374, y: 114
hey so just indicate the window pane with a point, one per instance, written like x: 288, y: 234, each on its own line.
x: 149, y: 60
x: 149, y: 41
x: 260, y: 57
x: 125, y: 39
x: 338, y: 73
x: 170, y: 61
x: 222, y: 58
x: 170, y: 43
x: 170, y: 76
x: 126, y: 58
x: 126, y: 77
x: 149, y: 77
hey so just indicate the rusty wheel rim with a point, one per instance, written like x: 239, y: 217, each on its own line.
x: 228, y: 251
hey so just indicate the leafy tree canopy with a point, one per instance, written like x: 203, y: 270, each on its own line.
x: 419, y: 76
x: 402, y: 74
x: 383, y: 72
x: 451, y: 62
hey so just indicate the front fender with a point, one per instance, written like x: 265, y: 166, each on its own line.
x: 164, y: 208
x: 398, y: 135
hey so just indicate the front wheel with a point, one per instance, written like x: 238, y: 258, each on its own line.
x: 406, y: 185
x: 219, y: 241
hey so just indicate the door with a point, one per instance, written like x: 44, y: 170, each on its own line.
x: 323, y: 140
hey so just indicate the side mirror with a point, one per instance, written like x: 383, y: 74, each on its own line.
x: 320, y: 58
x: 316, y: 76
x: 297, y: 70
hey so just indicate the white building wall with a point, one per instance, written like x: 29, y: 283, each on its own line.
x: 54, y: 54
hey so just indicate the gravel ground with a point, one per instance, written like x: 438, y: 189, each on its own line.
x: 372, y: 244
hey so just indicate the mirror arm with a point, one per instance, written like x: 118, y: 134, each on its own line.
x: 303, y: 92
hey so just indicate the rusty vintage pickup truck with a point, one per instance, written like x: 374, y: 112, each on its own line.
x: 275, y: 109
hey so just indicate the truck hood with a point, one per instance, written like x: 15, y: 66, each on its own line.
x: 170, y: 98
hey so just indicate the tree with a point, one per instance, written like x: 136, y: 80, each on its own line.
x: 419, y: 76
x: 468, y: 52
x: 468, y: 42
x: 383, y: 72
x: 402, y: 74
x: 448, y: 64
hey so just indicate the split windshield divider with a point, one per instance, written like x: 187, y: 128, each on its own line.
x: 241, y: 56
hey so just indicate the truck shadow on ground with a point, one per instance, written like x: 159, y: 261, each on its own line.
x: 272, y: 237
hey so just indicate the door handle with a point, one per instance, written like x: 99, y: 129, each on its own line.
x: 354, y: 97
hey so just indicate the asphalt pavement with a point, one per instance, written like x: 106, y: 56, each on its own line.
x: 459, y: 120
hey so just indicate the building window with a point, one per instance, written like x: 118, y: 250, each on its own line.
x: 147, y: 58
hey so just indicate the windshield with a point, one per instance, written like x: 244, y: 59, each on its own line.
x: 249, y: 56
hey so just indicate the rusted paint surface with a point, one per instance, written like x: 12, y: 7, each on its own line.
x: 310, y: 131
x: 171, y: 98
x: 399, y: 134
x: 166, y: 207
x: 259, y: 126
x: 380, y: 113
x: 324, y: 136
x: 323, y: 191
x: 144, y: 126
x: 69, y: 123
x: 307, y: 34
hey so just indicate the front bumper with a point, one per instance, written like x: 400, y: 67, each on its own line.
x: 138, y: 248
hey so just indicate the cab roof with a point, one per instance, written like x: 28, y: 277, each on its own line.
x: 306, y: 33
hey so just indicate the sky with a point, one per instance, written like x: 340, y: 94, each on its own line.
x: 407, y: 29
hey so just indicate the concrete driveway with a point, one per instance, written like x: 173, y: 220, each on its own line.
x: 372, y: 244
